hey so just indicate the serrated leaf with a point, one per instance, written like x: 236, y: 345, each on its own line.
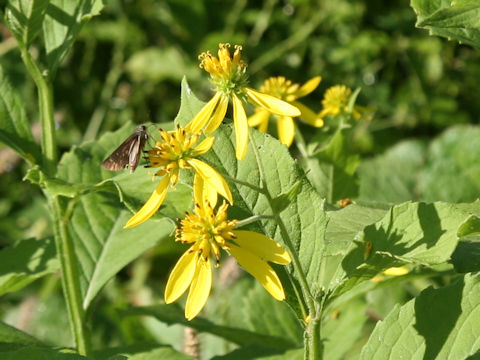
x: 344, y: 227
x: 418, y: 233
x: 451, y: 19
x: 437, y: 324
x: 101, y: 244
x: 62, y: 24
x: 174, y: 314
x: 24, y: 18
x: 25, y: 262
x: 11, y: 335
x: 39, y: 353
x: 392, y: 177
x: 14, y: 128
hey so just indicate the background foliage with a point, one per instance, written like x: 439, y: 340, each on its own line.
x: 126, y: 67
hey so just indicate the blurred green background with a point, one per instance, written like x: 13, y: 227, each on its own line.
x: 128, y: 63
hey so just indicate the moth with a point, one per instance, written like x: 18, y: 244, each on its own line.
x: 128, y: 153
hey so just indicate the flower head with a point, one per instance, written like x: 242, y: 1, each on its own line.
x: 287, y: 91
x: 336, y: 100
x: 209, y: 232
x: 228, y: 75
x: 177, y: 151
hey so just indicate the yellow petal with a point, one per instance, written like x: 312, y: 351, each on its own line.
x: 199, y: 121
x: 308, y: 87
x: 151, y: 206
x: 218, y: 116
x: 262, y: 246
x: 241, y: 128
x: 259, y: 118
x: 396, y: 271
x: 203, y: 192
x: 181, y: 276
x: 200, y: 288
x: 286, y: 130
x: 271, y: 103
x: 260, y: 271
x: 212, y: 177
x: 308, y: 116
x: 205, y: 145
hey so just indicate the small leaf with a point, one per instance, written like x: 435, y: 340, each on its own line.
x: 332, y: 170
x: 25, y: 262
x: 14, y: 127
x: 284, y: 199
x: 62, y: 24
x: 437, y: 324
x: 24, y: 18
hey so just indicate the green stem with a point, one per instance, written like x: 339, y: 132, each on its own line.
x: 70, y: 277
x: 312, y: 331
x: 45, y: 104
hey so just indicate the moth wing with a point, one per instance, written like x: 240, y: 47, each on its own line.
x: 136, y: 150
x: 120, y: 157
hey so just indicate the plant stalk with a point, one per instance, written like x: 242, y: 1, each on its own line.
x: 70, y: 283
x: 46, y: 112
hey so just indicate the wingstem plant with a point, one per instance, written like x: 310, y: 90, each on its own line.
x: 317, y: 235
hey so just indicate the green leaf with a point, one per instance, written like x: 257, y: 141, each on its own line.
x: 24, y: 18
x: 11, y: 335
x: 344, y: 227
x: 332, y: 170
x: 452, y: 170
x: 25, y: 262
x: 38, y: 353
x: 437, y: 324
x: 393, y: 176
x: 417, y: 233
x: 174, y: 314
x: 62, y: 24
x: 14, y: 128
x: 451, y: 19
x: 101, y: 244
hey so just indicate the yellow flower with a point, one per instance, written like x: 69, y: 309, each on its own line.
x: 336, y: 100
x: 228, y: 75
x: 285, y: 90
x: 209, y: 232
x: 176, y: 152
